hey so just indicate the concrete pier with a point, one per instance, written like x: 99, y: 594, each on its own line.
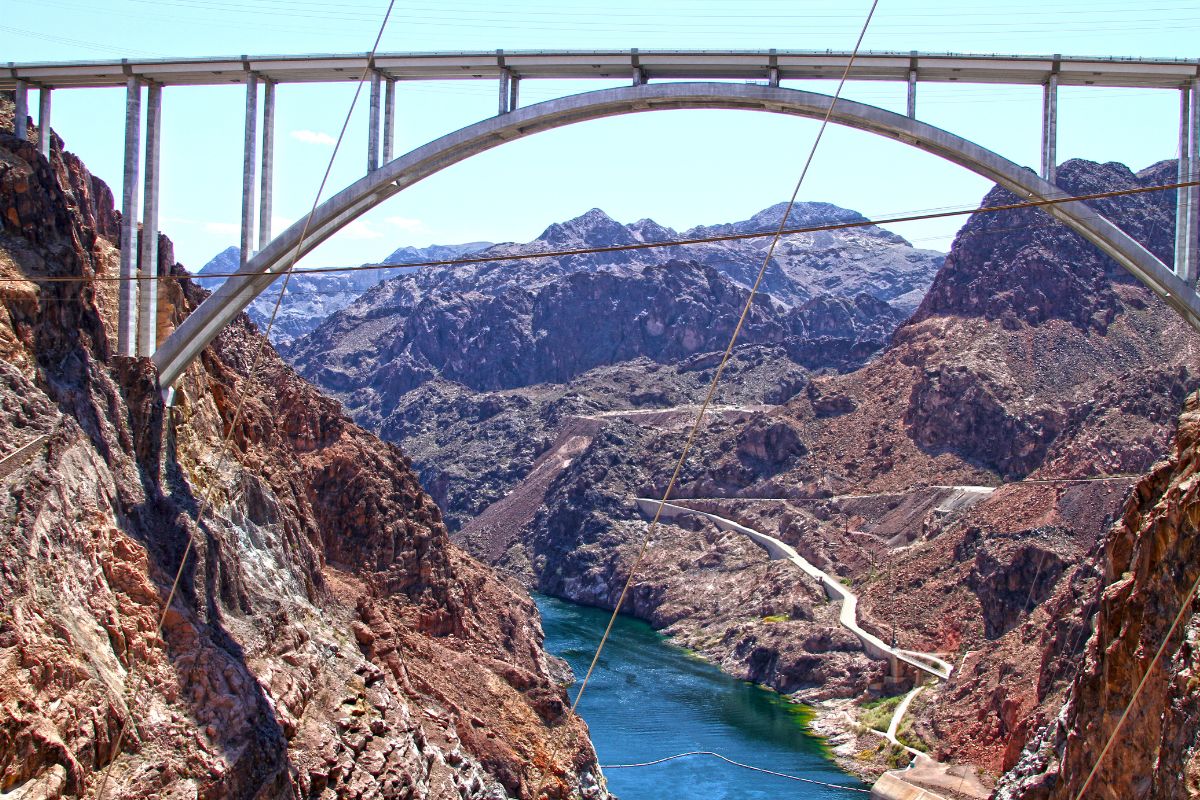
x: 505, y: 91
x: 267, y: 188
x: 1183, y: 195
x: 1050, y: 129
x: 127, y: 298
x: 514, y: 92
x: 21, y: 113
x: 389, y: 119
x: 373, y: 123
x: 148, y: 272
x: 249, y: 159
x: 1192, y: 270
x: 44, y: 135
x: 912, y: 85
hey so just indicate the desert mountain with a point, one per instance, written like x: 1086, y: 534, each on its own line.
x: 326, y: 640
x: 311, y: 297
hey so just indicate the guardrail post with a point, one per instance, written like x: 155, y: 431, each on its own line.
x: 127, y: 297
x: 148, y: 274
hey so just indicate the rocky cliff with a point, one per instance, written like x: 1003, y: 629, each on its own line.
x: 476, y: 369
x: 1035, y: 367
x: 326, y: 640
x: 1144, y: 629
x: 827, y: 298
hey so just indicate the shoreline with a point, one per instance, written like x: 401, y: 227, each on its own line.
x: 812, y: 720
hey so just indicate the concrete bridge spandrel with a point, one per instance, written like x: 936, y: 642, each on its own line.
x: 186, y: 343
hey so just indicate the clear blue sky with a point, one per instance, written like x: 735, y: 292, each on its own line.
x: 680, y: 168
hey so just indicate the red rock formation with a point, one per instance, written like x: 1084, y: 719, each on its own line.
x: 1147, y: 567
x: 326, y: 641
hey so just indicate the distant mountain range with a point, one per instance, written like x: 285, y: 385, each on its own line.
x: 312, y: 298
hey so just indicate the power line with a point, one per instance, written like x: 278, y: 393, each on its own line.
x: 474, y: 260
x: 736, y: 764
x: 712, y: 389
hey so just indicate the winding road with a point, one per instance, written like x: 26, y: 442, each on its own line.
x: 834, y: 589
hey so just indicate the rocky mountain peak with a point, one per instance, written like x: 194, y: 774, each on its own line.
x: 1020, y: 265
x: 593, y: 228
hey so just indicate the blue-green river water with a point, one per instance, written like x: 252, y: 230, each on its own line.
x: 648, y: 699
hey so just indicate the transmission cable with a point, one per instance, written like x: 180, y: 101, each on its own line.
x: 1112, y: 737
x: 737, y: 764
x: 716, y: 378
x: 617, y: 248
x: 207, y: 500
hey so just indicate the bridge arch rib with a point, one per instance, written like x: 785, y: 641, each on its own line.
x: 202, y: 326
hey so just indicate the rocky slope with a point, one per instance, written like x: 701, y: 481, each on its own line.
x: 1145, y: 619
x: 505, y: 325
x: 476, y: 369
x: 313, y: 297
x: 1034, y: 365
x: 326, y: 641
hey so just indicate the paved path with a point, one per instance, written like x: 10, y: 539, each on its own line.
x: 894, y: 725
x: 834, y: 589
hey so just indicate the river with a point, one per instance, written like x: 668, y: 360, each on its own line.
x: 648, y: 699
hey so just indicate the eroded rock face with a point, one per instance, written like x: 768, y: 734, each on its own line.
x: 1147, y: 567
x: 967, y: 394
x: 831, y: 298
x: 326, y: 640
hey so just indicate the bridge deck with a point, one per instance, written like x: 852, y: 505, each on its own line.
x: 747, y: 65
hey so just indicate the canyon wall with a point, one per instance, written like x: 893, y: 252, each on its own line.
x: 326, y: 639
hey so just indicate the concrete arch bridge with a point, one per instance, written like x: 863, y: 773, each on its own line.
x: 707, y: 73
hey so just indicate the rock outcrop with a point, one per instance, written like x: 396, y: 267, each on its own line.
x: 829, y: 298
x: 1060, y: 409
x: 1144, y: 630
x: 326, y: 639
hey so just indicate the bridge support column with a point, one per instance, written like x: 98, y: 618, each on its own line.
x: 514, y: 92
x: 1192, y: 269
x: 249, y: 159
x: 44, y: 135
x: 1050, y: 129
x: 505, y: 91
x: 912, y: 85
x: 373, y: 124
x: 148, y: 273
x: 389, y: 119
x: 21, y: 113
x: 127, y: 298
x: 1183, y: 195
x: 267, y: 187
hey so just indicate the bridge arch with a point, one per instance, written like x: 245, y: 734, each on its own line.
x: 207, y: 320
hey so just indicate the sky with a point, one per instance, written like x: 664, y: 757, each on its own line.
x: 680, y: 168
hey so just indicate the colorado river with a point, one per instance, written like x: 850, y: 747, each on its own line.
x: 648, y: 699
